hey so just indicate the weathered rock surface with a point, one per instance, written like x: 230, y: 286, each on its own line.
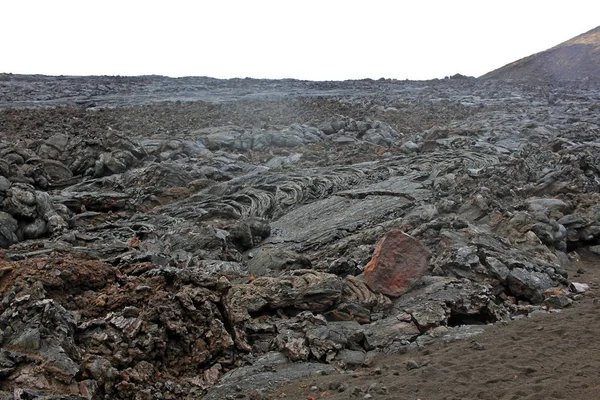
x: 398, y: 262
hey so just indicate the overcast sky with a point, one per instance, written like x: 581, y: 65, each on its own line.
x: 317, y: 40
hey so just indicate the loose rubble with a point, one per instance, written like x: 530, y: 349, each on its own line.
x: 188, y: 249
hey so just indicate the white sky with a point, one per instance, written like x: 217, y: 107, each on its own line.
x: 306, y: 39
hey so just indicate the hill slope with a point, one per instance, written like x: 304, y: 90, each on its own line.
x: 577, y: 58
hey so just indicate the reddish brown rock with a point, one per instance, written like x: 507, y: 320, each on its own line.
x: 398, y: 262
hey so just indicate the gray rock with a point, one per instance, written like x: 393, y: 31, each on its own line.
x: 28, y: 341
x: 595, y: 249
x: 573, y: 221
x: 8, y: 230
x: 46, y: 210
x: 334, y: 336
x: 548, y: 204
x: 240, y: 140
x: 557, y: 300
x: 217, y: 267
x: 278, y: 162
x: 338, y: 125
x: 270, y: 260
x: 44, y: 328
x: 410, y: 147
x: 381, y: 134
x: 529, y: 284
x: 20, y: 201
x: 579, y: 287
x: 56, y: 171
x: 249, y: 232
x: 300, y: 289
x: 560, y: 234
x: 344, y: 140
x: 412, y: 364
x: 462, y: 332
x: 59, y: 142
x: 327, y: 128
x: 32, y: 230
x: 115, y: 162
x: 391, y: 331
x: 351, y: 358
x: 7, y: 363
x: 545, y: 233
x: 4, y: 185
x: 218, y: 137
x: 497, y: 269
x: 268, y: 371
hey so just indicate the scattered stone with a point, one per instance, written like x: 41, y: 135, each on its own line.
x: 579, y: 287
x: 351, y: 358
x: 412, y: 364
x: 557, y: 298
x: 595, y: 249
x: 476, y: 345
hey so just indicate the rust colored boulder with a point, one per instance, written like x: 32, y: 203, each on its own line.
x: 398, y: 262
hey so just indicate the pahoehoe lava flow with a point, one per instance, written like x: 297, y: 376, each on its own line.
x: 184, y: 238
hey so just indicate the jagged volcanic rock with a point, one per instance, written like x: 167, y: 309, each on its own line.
x: 176, y: 250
